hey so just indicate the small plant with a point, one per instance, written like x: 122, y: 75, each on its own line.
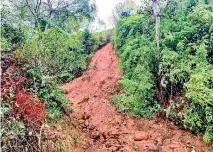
x: 56, y: 102
x: 167, y: 134
x: 74, y: 139
x: 93, y: 66
x: 58, y: 145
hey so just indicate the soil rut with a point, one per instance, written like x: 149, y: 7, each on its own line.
x: 107, y: 130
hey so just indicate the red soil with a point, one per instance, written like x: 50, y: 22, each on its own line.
x: 107, y: 130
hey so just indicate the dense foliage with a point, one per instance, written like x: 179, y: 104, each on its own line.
x: 55, y: 54
x: 11, y: 37
x: 187, y: 63
x: 182, y: 81
x: 39, y: 52
x: 44, y: 45
x: 138, y: 58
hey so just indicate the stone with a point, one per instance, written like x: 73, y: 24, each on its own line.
x: 59, y: 128
x: 91, y: 127
x: 86, y: 115
x: 159, y: 141
x: 139, y: 136
x: 150, y: 147
x: 86, y: 124
x: 95, y: 135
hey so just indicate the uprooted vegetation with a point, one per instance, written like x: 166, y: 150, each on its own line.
x: 180, y: 85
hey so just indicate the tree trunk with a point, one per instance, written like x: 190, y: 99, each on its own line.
x: 156, y: 10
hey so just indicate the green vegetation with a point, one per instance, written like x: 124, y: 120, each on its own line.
x: 43, y: 45
x: 182, y: 81
x: 56, y: 54
x: 102, y: 38
x: 136, y: 49
x: 11, y: 37
x: 137, y: 61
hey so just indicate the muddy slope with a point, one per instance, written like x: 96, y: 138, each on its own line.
x: 107, y: 130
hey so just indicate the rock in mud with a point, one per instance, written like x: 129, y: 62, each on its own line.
x: 59, y: 128
x: 109, y: 144
x: 86, y: 115
x: 67, y: 111
x: 86, y: 124
x: 95, y: 135
x: 91, y: 127
x: 139, y: 136
x: 159, y: 141
x: 151, y: 148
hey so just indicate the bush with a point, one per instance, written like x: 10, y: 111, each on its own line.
x: 102, y: 38
x: 55, y: 54
x: 133, y: 26
x: 11, y: 37
x: 137, y: 59
x: 183, y: 83
x: 5, y: 45
x: 56, y: 102
x: 54, y: 57
x: 88, y: 42
x: 22, y: 113
x: 186, y: 65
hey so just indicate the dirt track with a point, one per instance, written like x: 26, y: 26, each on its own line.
x: 107, y: 130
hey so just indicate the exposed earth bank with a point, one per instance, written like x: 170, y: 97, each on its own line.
x: 104, y: 129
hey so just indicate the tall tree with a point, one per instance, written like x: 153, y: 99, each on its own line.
x: 123, y: 9
x: 55, y: 12
x: 156, y: 11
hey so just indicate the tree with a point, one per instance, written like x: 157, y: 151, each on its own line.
x: 156, y: 11
x: 52, y: 12
x: 123, y: 9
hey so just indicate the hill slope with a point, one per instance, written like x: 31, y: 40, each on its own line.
x: 107, y: 130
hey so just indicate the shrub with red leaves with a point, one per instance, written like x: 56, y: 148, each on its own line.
x: 30, y: 108
x: 19, y: 107
x: 26, y: 105
x: 23, y: 97
x: 11, y: 80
